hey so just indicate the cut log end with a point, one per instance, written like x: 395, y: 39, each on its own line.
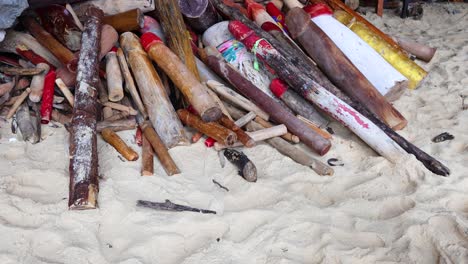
x: 211, y: 114
x: 86, y: 202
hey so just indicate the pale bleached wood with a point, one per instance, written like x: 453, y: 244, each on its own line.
x: 37, y: 83
x: 66, y: 92
x: 18, y: 102
x: 258, y: 135
x: 114, y: 77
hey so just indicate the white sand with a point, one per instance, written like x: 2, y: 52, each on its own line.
x: 369, y: 212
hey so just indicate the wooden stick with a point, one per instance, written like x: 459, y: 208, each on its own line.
x: 295, y: 153
x: 75, y: 17
x: 119, y: 125
x: 114, y: 140
x: 236, y: 99
x: 160, y: 111
x: 26, y: 124
x: 18, y: 102
x: 218, y: 102
x: 243, y: 137
x: 257, y: 136
x: 22, y: 71
x: 147, y: 160
x: 314, y: 127
x: 211, y: 129
x: 111, y: 7
x: 130, y: 83
x: 421, y: 51
x: 288, y: 136
x: 161, y: 151
x: 66, y: 92
x: 339, y: 68
x: 122, y: 108
x: 245, y: 119
x: 47, y: 97
x: 187, y: 83
x: 108, y: 40
x: 297, y: 103
x: 178, y: 38
x: 431, y: 163
x: 37, y: 83
x: 61, y: 118
x: 31, y: 56
x: 199, y: 14
x: 83, y: 143
x: 114, y: 77
x: 6, y: 87
x: 64, y: 55
x: 266, y: 103
x: 126, y: 21
x: 15, y: 38
x: 344, y: 113
x: 247, y: 169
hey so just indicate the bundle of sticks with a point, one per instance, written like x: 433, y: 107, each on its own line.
x: 235, y: 72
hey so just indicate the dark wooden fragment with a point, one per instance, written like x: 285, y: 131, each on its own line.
x: 247, y: 169
x: 59, y: 22
x: 127, y: 21
x: 199, y: 14
x: 170, y: 206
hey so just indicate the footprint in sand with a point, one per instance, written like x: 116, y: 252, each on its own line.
x: 378, y: 210
x: 421, y: 248
x: 357, y: 239
x: 43, y: 186
x: 451, y: 242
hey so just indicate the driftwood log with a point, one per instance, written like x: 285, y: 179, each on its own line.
x: 84, y: 184
x: 160, y: 111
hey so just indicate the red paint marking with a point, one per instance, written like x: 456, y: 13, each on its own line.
x: 353, y: 113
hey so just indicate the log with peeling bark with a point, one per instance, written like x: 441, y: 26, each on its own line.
x: 63, y: 54
x: 339, y: 69
x: 182, y: 77
x: 114, y: 77
x: 314, y: 141
x: 83, y: 169
x: 211, y: 129
x: 147, y: 158
x: 158, y: 146
x: 126, y: 21
x: 160, y: 111
x: 115, y: 141
x: 199, y: 14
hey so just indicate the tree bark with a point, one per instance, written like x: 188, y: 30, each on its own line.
x: 84, y: 184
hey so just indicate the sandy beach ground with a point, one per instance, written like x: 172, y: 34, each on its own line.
x: 370, y: 211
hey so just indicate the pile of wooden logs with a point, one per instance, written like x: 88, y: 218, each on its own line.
x: 156, y: 66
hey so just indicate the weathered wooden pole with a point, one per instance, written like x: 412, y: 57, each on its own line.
x: 84, y: 184
x: 339, y: 69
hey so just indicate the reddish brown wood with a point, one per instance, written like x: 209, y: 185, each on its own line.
x: 241, y: 135
x: 64, y: 55
x: 127, y: 21
x: 114, y: 140
x: 211, y: 129
x: 147, y: 159
x: 83, y: 144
